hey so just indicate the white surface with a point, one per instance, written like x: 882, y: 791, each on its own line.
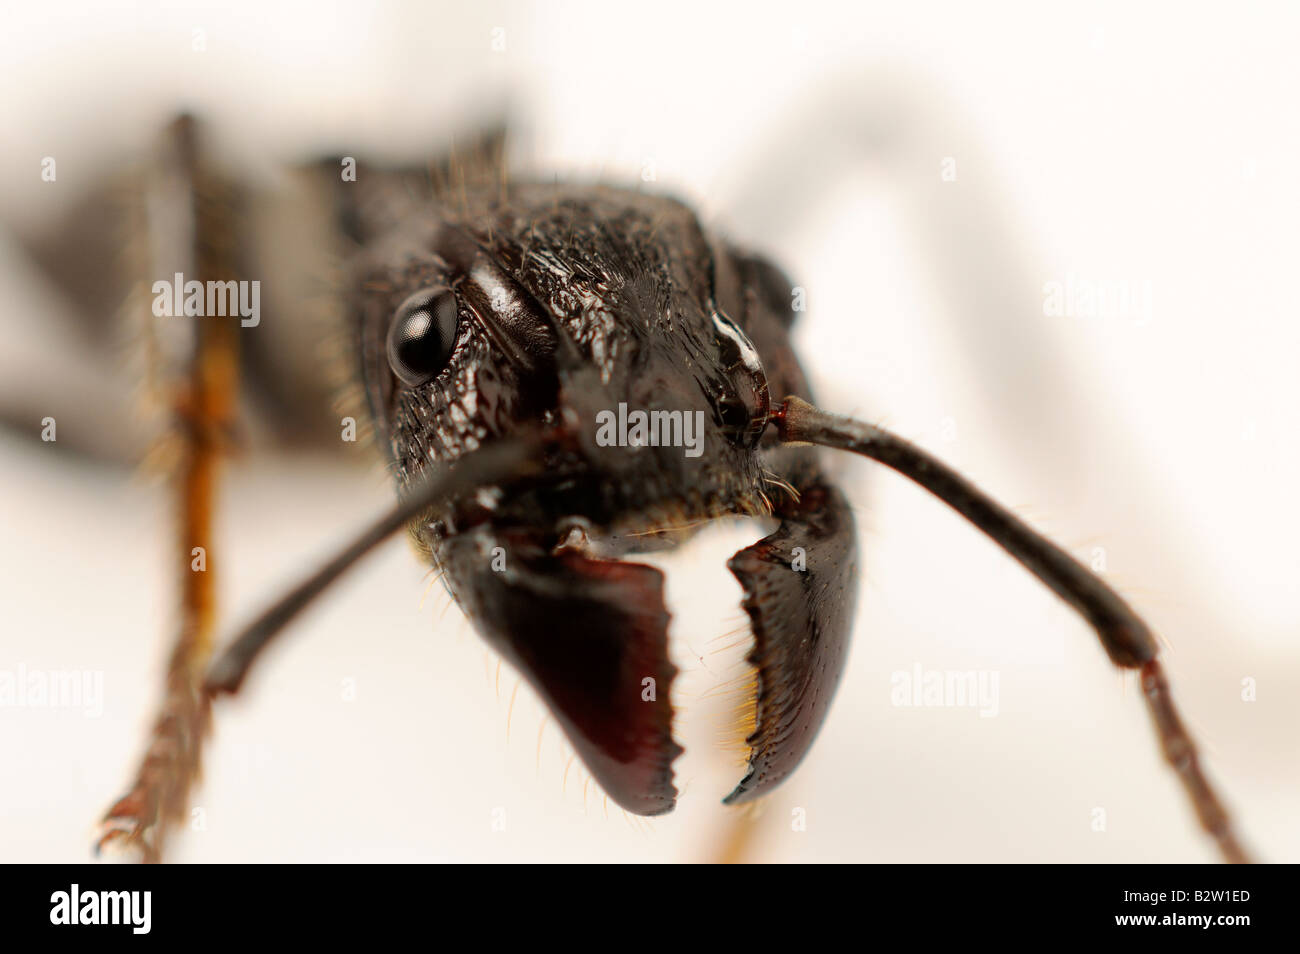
x: 1128, y: 145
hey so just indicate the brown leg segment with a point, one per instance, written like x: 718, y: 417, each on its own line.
x: 1180, y: 752
x: 204, y: 409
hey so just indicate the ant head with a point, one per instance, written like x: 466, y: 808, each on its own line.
x: 587, y: 310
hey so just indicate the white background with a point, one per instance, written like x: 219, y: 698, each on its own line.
x: 1130, y: 144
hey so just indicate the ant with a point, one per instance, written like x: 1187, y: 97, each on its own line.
x: 491, y: 328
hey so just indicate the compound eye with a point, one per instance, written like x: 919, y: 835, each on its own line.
x: 422, y: 335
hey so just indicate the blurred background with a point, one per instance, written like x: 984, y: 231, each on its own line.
x: 1054, y: 246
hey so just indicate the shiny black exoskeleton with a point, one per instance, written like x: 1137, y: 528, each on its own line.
x: 490, y: 308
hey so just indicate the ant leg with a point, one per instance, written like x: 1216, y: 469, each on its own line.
x: 203, y: 406
x: 1125, y: 637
